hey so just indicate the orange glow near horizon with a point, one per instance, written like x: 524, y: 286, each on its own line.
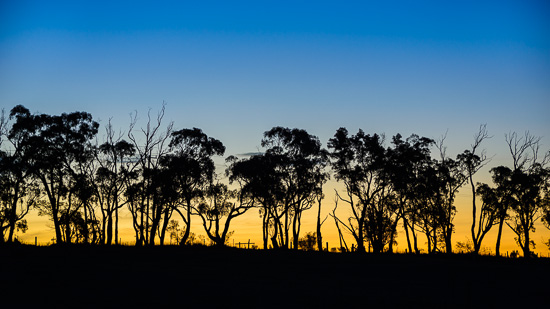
x: 249, y: 227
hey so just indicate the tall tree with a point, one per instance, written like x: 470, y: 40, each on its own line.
x: 150, y: 146
x: 111, y: 177
x: 18, y: 191
x: 257, y: 175
x: 525, y: 185
x: 490, y: 213
x: 407, y: 159
x: 191, y: 169
x: 358, y: 162
x: 53, y: 145
x: 529, y: 180
x: 301, y: 162
x: 451, y: 175
x: 474, y: 159
x: 499, y: 199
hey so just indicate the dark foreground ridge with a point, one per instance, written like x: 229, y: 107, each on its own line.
x: 117, y: 276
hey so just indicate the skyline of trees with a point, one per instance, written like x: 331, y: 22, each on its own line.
x: 54, y: 164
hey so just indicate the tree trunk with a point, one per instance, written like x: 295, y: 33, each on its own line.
x: 188, y: 223
x: 474, y: 211
x: 406, y: 228
x: 319, y: 237
x: 295, y: 230
x: 526, y: 248
x: 13, y: 214
x: 86, y: 232
x: 58, y: 234
x: 448, y: 243
x: 497, y: 249
x: 360, y: 238
x: 116, y: 221
x: 109, y: 239
x: 415, y: 240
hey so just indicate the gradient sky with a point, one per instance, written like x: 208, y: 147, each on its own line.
x: 238, y: 68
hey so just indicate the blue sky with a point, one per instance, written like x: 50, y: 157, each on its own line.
x: 235, y: 69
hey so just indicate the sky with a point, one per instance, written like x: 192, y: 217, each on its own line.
x: 237, y: 68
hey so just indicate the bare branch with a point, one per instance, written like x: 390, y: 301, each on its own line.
x: 519, y: 146
x: 439, y: 144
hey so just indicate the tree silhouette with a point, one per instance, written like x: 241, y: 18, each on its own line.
x: 53, y: 146
x: 546, y: 210
x: 521, y: 189
x: 111, y: 178
x: 221, y: 205
x: 300, y: 162
x: 427, y: 210
x: 151, y: 146
x: 529, y: 180
x: 257, y: 176
x: 451, y: 175
x: 473, y: 163
x: 49, y: 162
x: 18, y: 193
x: 358, y: 162
x: 407, y: 159
x: 307, y: 242
x: 492, y: 211
x: 191, y: 169
x: 285, y: 181
x: 319, y: 224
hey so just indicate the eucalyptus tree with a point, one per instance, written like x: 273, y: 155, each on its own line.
x: 529, y: 180
x: 219, y: 207
x: 499, y: 198
x: 407, y: 159
x: 191, y: 170
x: 259, y: 177
x: 18, y: 191
x: 358, y: 161
x: 521, y: 191
x: 451, y: 176
x: 491, y: 212
x: 113, y: 174
x: 428, y: 201
x: 53, y: 146
x: 546, y: 211
x: 300, y: 162
x: 474, y: 159
x: 150, y: 145
x: 78, y: 219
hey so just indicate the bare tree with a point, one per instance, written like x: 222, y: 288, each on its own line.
x: 319, y: 224
x: 337, y: 222
x: 527, y: 180
x: 474, y: 159
x: 452, y: 175
x: 149, y: 147
x: 115, y: 166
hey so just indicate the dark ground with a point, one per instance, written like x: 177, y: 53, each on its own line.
x: 193, y: 277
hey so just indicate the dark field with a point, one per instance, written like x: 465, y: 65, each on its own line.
x: 194, y: 277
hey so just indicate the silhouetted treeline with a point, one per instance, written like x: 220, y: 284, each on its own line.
x: 54, y: 163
